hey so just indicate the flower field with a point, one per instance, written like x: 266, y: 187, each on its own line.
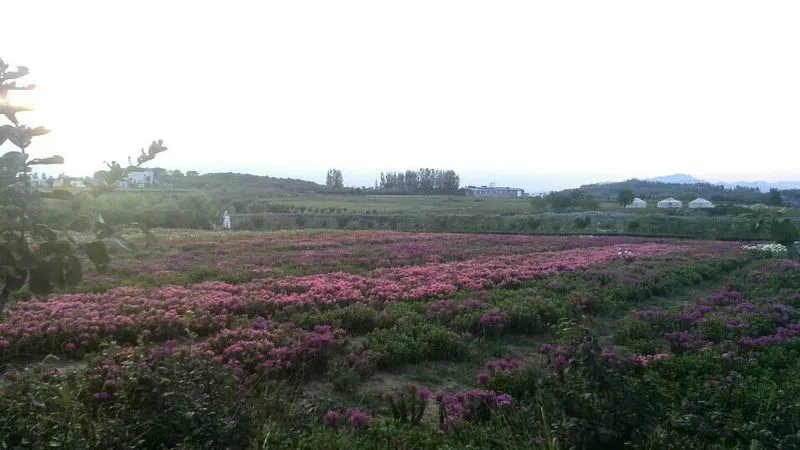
x: 181, y: 258
x: 356, y: 339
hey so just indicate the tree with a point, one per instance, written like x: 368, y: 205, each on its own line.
x: 625, y: 197
x: 192, y: 173
x: 775, y: 197
x: 785, y: 232
x: 334, y: 181
x: 32, y: 253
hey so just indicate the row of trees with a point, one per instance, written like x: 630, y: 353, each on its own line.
x: 334, y: 181
x: 423, y: 181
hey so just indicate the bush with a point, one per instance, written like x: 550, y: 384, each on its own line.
x: 582, y: 222
x: 633, y: 225
x: 136, y: 402
x: 414, y: 343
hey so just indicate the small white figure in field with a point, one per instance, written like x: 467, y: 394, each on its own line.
x: 226, y: 220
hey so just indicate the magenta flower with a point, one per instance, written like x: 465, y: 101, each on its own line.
x: 483, y: 378
x: 424, y: 394
x: 503, y: 400
x: 332, y: 418
x: 358, y: 418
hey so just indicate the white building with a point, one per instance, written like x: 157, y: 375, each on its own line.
x: 670, y: 203
x: 637, y: 203
x: 700, y: 202
x: 66, y: 182
x: 492, y: 191
x: 137, y: 179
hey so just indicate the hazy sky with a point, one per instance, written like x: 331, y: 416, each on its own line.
x: 594, y: 89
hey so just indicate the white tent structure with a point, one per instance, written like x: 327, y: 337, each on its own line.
x: 700, y: 202
x: 670, y: 203
x: 637, y: 203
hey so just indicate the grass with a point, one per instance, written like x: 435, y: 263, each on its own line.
x: 412, y: 204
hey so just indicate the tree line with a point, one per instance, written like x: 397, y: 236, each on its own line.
x: 424, y: 181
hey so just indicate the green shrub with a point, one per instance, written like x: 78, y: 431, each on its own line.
x: 414, y: 343
x: 172, y: 401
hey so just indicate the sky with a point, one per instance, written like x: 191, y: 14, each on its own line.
x: 533, y: 93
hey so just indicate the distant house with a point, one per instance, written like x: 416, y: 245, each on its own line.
x: 492, y: 191
x: 137, y: 179
x: 670, y: 203
x: 66, y: 182
x: 637, y: 203
x: 700, y: 203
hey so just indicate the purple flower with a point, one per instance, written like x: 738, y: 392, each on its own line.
x: 467, y: 336
x: 561, y: 362
x: 170, y: 346
x: 332, y: 418
x: 545, y: 348
x: 424, y: 394
x: 503, y: 400
x: 260, y: 323
x: 358, y: 418
x: 101, y: 396
x: 483, y: 378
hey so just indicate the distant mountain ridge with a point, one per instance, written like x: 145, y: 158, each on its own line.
x: 763, y: 186
x: 678, y: 178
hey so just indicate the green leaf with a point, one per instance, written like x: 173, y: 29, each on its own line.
x: 42, y: 231
x: 48, y: 161
x: 40, y: 281
x: 98, y: 254
x: 103, y: 230
x: 56, y: 248
x: 65, y: 396
x: 15, y: 278
x: 5, y: 132
x: 12, y: 163
x: 57, y: 277
x: 73, y: 272
x: 27, y: 260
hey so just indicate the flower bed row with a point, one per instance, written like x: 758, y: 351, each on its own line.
x: 243, y: 257
x: 124, y: 313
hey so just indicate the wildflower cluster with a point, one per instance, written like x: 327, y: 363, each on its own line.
x: 458, y: 409
x: 506, y: 365
x: 275, y: 350
x: 355, y: 418
x: 493, y: 322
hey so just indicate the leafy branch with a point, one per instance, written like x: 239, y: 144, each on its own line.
x: 32, y: 253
